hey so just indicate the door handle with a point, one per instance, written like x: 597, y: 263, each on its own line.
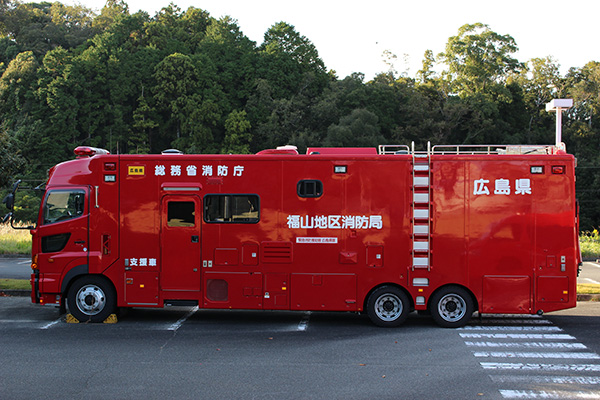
x: 195, y: 239
x: 80, y: 242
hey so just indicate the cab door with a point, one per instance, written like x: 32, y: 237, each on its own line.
x: 63, y: 234
x: 180, y: 245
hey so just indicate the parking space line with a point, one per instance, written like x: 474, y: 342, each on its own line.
x: 177, y: 325
x: 594, y: 264
x: 592, y: 281
x: 51, y: 324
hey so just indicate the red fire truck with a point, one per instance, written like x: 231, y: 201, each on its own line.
x: 450, y: 230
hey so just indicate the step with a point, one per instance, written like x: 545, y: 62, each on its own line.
x: 421, y: 246
x: 421, y: 181
x: 420, y: 262
x: 421, y: 213
x: 421, y: 198
x: 421, y: 230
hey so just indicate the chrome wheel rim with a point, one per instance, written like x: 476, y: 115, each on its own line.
x: 90, y: 299
x: 388, y: 307
x: 452, y: 307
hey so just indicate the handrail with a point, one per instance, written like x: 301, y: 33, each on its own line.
x: 489, y: 149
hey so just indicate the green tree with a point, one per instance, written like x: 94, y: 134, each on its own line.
x: 479, y: 60
x: 359, y: 129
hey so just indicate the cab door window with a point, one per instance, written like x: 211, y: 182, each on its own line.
x: 62, y: 205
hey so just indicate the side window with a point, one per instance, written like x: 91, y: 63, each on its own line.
x: 61, y: 205
x: 310, y: 188
x: 231, y: 208
x: 181, y: 213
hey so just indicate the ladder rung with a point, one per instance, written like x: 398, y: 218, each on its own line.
x: 421, y: 181
x: 420, y: 262
x: 421, y: 214
x: 421, y: 246
x: 421, y: 167
x: 421, y: 229
x: 421, y: 197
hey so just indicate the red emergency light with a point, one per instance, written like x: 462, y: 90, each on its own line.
x: 88, y: 151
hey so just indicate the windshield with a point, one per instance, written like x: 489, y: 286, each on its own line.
x: 61, y: 205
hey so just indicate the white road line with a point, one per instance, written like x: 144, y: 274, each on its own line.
x: 592, y: 281
x: 511, y: 321
x: 529, y: 345
x: 512, y: 328
x: 181, y: 320
x: 538, y: 336
x: 540, y: 367
x: 594, y: 264
x: 509, y: 354
x: 303, y: 325
x: 24, y: 262
x: 51, y: 324
x: 548, y: 394
x: 17, y: 321
x: 559, y: 380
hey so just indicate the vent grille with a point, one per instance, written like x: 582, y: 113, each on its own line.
x: 276, y: 252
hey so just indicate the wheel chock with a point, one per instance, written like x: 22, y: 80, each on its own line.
x: 112, y: 319
x: 71, y: 319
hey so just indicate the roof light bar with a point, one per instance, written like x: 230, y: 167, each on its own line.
x: 89, y: 151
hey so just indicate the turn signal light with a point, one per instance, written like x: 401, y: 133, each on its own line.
x: 34, y: 262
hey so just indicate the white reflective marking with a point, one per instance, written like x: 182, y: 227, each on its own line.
x: 303, y: 325
x: 181, y: 320
x: 529, y: 345
x: 539, y: 336
x: 508, y: 354
x: 561, y: 380
x: 592, y: 281
x: 17, y: 321
x: 51, y: 324
x: 548, y: 394
x: 542, y: 367
x: 512, y: 328
x: 523, y: 321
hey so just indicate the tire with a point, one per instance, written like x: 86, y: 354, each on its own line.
x: 451, y: 307
x: 388, y: 306
x: 91, y: 299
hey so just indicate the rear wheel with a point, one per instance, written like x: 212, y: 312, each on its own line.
x: 91, y: 298
x: 451, y: 307
x: 388, y: 306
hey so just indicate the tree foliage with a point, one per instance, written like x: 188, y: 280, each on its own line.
x: 135, y: 83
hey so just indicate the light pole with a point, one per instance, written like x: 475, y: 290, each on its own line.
x: 558, y: 106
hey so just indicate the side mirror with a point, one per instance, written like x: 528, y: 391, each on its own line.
x: 9, y: 200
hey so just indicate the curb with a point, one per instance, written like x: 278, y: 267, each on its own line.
x: 15, y: 293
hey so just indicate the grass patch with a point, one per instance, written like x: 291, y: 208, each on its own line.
x: 15, y: 241
x: 590, y: 244
x: 588, y: 289
x: 15, y: 284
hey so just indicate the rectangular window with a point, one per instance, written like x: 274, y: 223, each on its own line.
x: 181, y: 213
x: 61, y: 205
x: 231, y: 208
x: 310, y: 188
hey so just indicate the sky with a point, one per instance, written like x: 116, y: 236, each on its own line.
x: 351, y: 36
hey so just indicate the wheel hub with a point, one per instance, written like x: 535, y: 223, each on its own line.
x: 90, y: 299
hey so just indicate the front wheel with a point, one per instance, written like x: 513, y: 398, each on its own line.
x: 388, y: 306
x: 91, y: 298
x: 451, y: 307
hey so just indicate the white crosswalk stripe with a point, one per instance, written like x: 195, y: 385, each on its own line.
x: 531, y: 345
